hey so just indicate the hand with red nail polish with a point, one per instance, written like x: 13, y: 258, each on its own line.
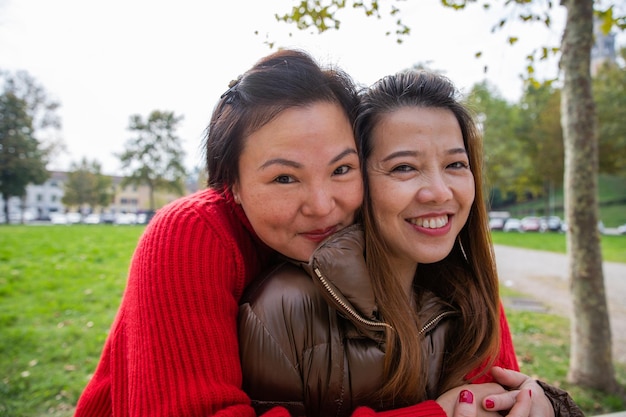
x: 456, y: 402
x: 519, y: 401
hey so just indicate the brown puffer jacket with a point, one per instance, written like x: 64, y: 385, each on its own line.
x: 306, y: 338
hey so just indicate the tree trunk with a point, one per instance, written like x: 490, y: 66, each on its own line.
x: 6, y: 207
x: 152, y: 203
x: 591, y: 363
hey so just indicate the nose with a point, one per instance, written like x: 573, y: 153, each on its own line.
x: 318, y: 202
x: 434, y: 190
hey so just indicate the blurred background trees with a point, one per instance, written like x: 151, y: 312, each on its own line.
x: 154, y: 155
x: 28, y: 124
x: 87, y: 188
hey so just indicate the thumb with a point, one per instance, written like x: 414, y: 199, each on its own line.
x: 466, y: 406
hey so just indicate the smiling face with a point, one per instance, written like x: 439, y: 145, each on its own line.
x: 420, y: 182
x: 299, y: 178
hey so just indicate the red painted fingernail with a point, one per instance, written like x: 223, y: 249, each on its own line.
x: 489, y: 404
x: 466, y: 397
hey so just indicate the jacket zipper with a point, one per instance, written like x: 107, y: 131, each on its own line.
x: 434, y: 321
x: 346, y: 307
x: 367, y: 322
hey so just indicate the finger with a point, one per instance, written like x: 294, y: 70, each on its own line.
x: 508, y: 377
x: 466, y: 406
x: 523, y: 403
x: 500, y: 402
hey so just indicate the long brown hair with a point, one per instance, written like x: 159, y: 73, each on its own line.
x: 466, y: 278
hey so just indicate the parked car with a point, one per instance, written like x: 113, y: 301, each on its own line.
x: 107, y: 218
x: 531, y: 224
x: 497, y: 223
x: 74, y: 217
x: 564, y: 227
x: 125, y: 218
x: 58, y: 218
x: 92, y: 218
x: 551, y: 224
x: 512, y: 225
x: 18, y: 216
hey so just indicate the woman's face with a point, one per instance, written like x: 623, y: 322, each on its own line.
x: 299, y: 178
x: 422, y: 187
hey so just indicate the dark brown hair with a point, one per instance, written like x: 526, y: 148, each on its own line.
x: 282, y: 80
x: 466, y: 278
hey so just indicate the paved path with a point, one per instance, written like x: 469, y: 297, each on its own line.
x: 543, y: 277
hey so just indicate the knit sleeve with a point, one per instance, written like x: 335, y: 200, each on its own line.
x: 507, y: 358
x: 173, y: 349
x: 425, y: 409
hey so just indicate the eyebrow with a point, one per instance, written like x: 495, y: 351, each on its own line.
x: 399, y: 154
x: 293, y: 164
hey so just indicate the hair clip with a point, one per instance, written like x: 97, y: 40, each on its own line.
x: 231, y: 93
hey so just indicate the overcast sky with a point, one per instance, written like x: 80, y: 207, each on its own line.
x: 105, y: 61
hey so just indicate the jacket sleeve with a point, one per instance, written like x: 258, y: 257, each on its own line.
x: 563, y: 404
x: 173, y: 348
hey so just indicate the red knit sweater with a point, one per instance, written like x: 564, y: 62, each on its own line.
x: 172, y: 349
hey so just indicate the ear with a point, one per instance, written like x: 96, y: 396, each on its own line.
x: 235, y: 190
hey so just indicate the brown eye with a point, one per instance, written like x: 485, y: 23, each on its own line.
x: 342, y: 170
x: 459, y: 165
x: 402, y: 168
x: 284, y: 179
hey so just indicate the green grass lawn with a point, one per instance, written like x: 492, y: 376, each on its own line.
x: 542, y: 346
x: 60, y: 287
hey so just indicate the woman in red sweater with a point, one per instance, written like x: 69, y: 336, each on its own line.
x: 282, y: 137
x: 173, y: 349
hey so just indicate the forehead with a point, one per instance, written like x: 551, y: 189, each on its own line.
x: 418, y: 124
x: 315, y: 130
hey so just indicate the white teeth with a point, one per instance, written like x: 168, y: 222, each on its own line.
x: 430, y: 223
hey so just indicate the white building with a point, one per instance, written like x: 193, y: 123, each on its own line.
x: 43, y: 200
x: 39, y: 202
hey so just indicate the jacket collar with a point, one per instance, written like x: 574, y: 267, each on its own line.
x: 341, y: 261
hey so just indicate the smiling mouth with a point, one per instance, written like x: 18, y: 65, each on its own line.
x: 430, y: 222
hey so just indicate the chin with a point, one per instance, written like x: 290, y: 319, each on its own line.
x: 432, y: 258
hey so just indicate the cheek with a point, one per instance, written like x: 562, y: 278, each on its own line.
x: 470, y: 191
x: 387, y: 201
x: 354, y: 196
x: 266, y: 211
x: 394, y: 195
x: 465, y: 194
x: 272, y: 226
x: 273, y: 215
x: 379, y: 188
